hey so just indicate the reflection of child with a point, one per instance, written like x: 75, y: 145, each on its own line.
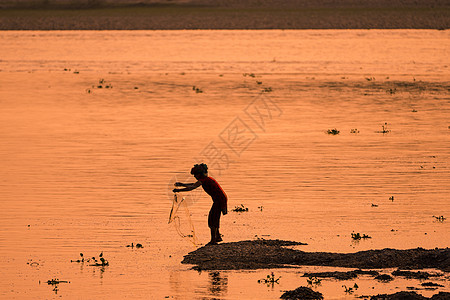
x: 212, y: 188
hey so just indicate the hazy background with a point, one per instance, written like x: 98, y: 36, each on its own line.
x: 209, y: 14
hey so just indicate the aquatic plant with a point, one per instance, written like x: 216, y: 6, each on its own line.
x: 258, y: 82
x: 374, y: 205
x: 266, y: 90
x: 391, y: 198
x: 95, y: 261
x: 384, y: 129
x: 370, y: 78
x: 249, y: 74
x: 270, y: 279
x: 312, y: 280
x: 197, y: 90
x: 101, y: 84
x: 350, y: 290
x: 440, y: 218
x: 333, y: 131
x: 355, y: 130
x: 358, y: 236
x: 241, y: 208
x: 391, y: 91
x: 56, y: 281
x: 138, y: 245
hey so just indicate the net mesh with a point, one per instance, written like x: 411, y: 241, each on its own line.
x: 181, y: 218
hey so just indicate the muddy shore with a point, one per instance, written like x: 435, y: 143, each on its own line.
x: 208, y: 14
x: 264, y: 254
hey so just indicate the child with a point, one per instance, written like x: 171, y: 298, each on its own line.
x: 212, y: 188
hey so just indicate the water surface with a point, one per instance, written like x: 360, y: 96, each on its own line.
x: 88, y: 169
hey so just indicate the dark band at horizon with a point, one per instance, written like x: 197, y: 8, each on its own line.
x: 203, y: 14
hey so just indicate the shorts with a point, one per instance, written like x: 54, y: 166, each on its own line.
x: 214, y: 216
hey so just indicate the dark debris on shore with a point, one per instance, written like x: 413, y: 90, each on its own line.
x: 265, y: 254
x: 410, y: 296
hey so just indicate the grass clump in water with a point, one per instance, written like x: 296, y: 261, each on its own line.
x: 333, y: 131
x: 240, y: 208
x: 358, y: 236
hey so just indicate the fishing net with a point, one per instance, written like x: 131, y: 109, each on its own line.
x: 181, y: 218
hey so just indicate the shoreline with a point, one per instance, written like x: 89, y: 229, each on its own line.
x: 266, y: 254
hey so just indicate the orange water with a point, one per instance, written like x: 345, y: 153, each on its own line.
x: 88, y: 170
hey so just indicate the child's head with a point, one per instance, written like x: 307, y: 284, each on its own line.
x: 200, y: 171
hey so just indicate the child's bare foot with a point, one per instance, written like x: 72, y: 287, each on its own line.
x: 219, y: 238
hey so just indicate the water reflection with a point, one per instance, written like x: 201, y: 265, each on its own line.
x: 218, y: 284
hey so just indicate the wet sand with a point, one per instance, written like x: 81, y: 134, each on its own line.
x: 266, y: 254
x: 207, y: 14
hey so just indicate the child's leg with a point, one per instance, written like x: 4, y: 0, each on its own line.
x: 213, y: 223
x: 213, y: 235
x: 218, y: 236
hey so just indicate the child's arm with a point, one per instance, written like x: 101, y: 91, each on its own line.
x: 188, y: 186
x: 183, y: 184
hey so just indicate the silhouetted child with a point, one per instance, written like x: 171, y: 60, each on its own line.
x: 212, y: 188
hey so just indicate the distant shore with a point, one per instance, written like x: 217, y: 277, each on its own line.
x: 202, y: 14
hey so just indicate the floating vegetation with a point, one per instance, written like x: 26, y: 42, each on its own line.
x: 391, y: 198
x: 384, y: 129
x: 103, y: 84
x: 270, y: 279
x: 56, y: 281
x: 249, y: 75
x: 258, y: 82
x: 333, y: 131
x: 138, y: 245
x: 197, y: 90
x: 414, y: 110
x: 260, y: 208
x: 240, y: 208
x: 391, y: 91
x: 370, y: 78
x: 266, y: 90
x: 350, y: 290
x: 302, y: 292
x: 440, y: 218
x: 314, y: 281
x: 358, y: 236
x: 355, y: 131
x: 341, y: 275
x: 374, y: 205
x: 93, y: 260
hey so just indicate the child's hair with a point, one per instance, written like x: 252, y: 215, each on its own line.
x: 199, y: 169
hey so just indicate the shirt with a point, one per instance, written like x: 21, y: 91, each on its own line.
x: 212, y: 188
